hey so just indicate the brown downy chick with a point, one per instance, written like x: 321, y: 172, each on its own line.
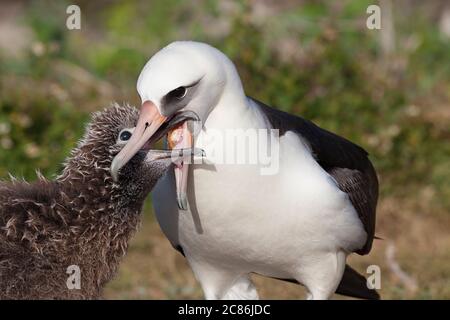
x: 83, y: 218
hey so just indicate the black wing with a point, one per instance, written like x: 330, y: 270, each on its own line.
x: 345, y: 161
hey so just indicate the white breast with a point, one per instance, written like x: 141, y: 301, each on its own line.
x: 242, y: 218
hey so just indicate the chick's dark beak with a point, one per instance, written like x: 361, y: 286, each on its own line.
x: 151, y: 126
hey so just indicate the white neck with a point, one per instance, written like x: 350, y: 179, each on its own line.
x: 232, y: 109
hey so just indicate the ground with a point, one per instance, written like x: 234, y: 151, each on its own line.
x: 152, y: 269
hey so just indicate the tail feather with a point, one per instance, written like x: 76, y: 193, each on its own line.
x: 352, y: 285
x: 355, y: 285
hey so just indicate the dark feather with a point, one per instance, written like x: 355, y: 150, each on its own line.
x: 355, y: 285
x: 345, y: 161
x: 352, y: 284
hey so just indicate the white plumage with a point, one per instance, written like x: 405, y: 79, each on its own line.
x: 297, y: 224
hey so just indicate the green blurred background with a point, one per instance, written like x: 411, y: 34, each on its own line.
x: 388, y: 90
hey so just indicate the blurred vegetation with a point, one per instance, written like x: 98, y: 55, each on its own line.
x: 316, y: 59
x: 334, y: 74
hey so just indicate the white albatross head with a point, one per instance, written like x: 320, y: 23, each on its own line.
x: 180, y: 83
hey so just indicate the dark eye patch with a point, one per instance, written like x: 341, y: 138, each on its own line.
x: 125, y: 135
x: 179, y: 97
x: 178, y: 94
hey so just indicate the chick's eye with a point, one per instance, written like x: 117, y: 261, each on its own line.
x: 125, y: 135
x: 179, y: 93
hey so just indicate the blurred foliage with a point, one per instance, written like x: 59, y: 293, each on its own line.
x: 316, y: 59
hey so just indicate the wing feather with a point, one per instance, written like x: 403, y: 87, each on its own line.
x: 345, y: 161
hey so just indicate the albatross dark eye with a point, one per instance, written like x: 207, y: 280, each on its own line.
x: 179, y: 93
x: 125, y: 135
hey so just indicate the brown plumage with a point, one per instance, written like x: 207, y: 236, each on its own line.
x: 81, y: 218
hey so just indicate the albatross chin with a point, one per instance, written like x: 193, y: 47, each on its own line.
x: 229, y: 220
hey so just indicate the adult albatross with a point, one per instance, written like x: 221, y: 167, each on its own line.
x: 229, y: 220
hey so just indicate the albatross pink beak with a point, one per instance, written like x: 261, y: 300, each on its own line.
x: 181, y: 138
x: 150, y: 119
